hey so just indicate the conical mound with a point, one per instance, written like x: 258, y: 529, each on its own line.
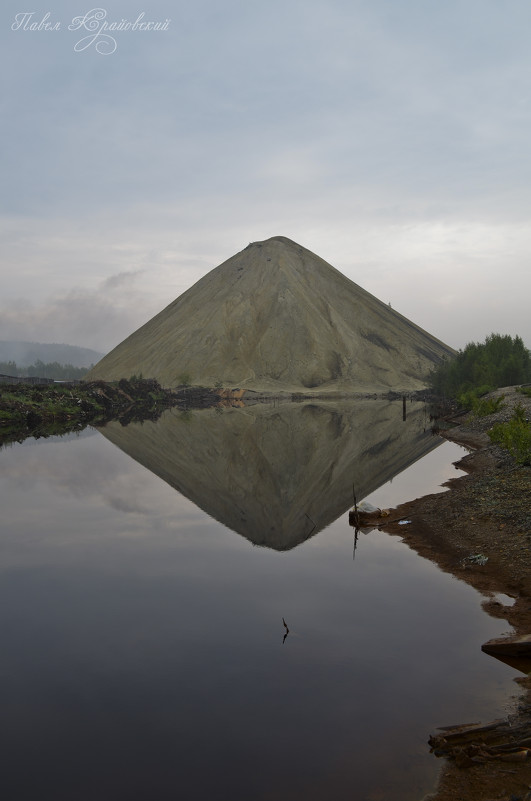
x: 277, y: 317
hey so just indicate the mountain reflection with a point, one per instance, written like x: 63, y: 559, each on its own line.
x: 278, y: 474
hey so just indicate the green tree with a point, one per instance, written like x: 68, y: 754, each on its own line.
x: 61, y: 372
x: 9, y: 368
x: 500, y: 361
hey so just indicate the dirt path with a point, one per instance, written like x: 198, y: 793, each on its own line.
x: 487, y: 513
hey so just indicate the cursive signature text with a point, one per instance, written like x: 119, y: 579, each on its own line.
x: 99, y: 29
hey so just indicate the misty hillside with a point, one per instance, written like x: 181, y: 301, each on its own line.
x: 28, y: 353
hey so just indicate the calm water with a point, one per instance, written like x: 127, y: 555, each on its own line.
x: 143, y: 653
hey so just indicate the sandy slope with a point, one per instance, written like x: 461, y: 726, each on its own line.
x: 277, y: 317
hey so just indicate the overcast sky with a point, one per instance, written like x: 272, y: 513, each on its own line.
x: 390, y: 137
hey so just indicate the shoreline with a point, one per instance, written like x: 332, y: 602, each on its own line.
x: 485, y: 513
x: 35, y: 409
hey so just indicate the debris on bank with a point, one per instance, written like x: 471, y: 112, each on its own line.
x: 473, y: 744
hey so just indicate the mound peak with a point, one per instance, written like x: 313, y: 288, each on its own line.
x: 277, y: 317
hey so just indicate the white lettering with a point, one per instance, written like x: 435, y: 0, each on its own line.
x: 21, y: 19
x: 24, y: 20
x: 90, y: 21
x: 105, y: 45
x: 93, y: 21
x: 137, y: 24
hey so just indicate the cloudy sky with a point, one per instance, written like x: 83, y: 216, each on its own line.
x: 391, y: 138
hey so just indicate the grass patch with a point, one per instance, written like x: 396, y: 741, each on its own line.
x: 514, y: 436
x: 480, y: 406
x: 184, y: 379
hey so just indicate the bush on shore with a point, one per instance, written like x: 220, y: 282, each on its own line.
x: 514, y: 436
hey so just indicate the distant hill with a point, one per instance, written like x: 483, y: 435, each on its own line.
x: 28, y: 353
x: 277, y: 317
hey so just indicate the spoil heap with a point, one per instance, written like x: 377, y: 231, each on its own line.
x: 275, y: 317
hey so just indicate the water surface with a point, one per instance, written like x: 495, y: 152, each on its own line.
x: 143, y: 642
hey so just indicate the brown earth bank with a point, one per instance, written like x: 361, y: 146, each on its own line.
x: 480, y: 532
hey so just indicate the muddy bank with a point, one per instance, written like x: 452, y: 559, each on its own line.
x: 480, y: 532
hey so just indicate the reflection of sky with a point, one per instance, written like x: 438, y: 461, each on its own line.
x: 142, y: 642
x: 422, y: 478
x: 94, y: 473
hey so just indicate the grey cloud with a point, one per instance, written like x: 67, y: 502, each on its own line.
x: 120, y: 280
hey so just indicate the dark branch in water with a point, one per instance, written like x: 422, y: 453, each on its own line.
x: 355, y: 515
